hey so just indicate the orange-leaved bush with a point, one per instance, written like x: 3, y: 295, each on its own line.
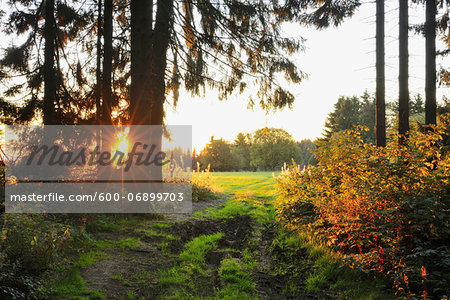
x: 386, y: 210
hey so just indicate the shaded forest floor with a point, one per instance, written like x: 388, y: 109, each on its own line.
x: 227, y: 249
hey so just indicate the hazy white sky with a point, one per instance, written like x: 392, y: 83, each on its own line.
x: 339, y: 61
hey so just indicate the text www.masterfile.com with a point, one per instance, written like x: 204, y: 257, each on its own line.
x: 57, y: 197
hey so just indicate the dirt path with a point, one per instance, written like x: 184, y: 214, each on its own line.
x: 148, y: 259
x: 130, y: 271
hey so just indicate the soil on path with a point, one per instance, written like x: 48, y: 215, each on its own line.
x: 133, y: 272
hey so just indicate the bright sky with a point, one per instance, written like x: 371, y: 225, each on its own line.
x: 339, y: 61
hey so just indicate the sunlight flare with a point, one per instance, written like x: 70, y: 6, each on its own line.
x: 121, y: 143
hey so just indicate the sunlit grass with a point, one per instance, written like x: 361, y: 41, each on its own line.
x: 73, y: 286
x: 90, y: 258
x: 260, y: 184
x: 192, y: 262
x: 236, y: 277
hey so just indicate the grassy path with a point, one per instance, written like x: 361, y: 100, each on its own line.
x: 226, y: 250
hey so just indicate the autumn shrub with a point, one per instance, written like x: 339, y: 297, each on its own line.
x: 204, y: 186
x: 386, y: 210
x: 32, y: 240
x: 29, y: 245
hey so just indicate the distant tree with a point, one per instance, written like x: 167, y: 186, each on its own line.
x: 307, y: 147
x: 367, y: 116
x: 344, y: 116
x: 217, y: 153
x: 241, y: 151
x: 179, y: 157
x: 417, y: 105
x: 416, y: 112
x: 352, y: 111
x: 272, y: 147
x: 195, y: 159
x: 266, y: 149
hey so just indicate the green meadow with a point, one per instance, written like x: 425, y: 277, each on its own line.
x: 260, y: 184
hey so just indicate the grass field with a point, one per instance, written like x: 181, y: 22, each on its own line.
x: 260, y: 184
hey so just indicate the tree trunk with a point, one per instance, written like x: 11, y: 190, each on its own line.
x: 430, y: 63
x: 98, y: 73
x: 403, y: 105
x: 159, y: 62
x: 380, y: 114
x: 141, y: 50
x: 49, y: 113
x: 107, y: 63
x: 160, y: 45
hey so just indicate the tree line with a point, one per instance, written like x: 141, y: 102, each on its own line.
x: 351, y: 111
x: 271, y: 148
x: 265, y: 149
